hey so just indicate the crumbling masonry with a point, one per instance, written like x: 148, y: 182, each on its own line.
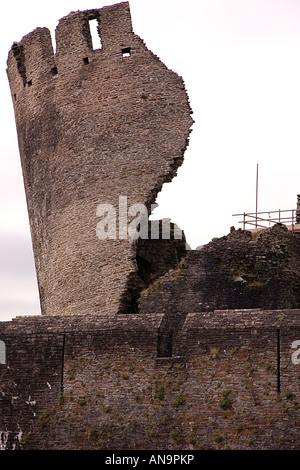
x: 142, y: 344
x: 93, y: 125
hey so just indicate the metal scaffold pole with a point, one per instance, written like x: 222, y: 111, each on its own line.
x: 256, y: 202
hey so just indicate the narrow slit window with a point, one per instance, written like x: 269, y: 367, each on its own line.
x: 86, y: 60
x: 54, y: 71
x: 126, y: 52
x: 15, y: 97
x: 94, y: 29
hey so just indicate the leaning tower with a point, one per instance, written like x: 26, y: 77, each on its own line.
x: 94, y: 127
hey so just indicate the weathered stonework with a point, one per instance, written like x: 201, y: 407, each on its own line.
x: 92, y: 125
x: 232, y: 272
x: 212, y: 359
x: 98, y: 382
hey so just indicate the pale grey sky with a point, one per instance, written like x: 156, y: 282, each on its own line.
x: 240, y: 63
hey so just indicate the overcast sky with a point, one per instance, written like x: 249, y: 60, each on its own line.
x: 240, y: 60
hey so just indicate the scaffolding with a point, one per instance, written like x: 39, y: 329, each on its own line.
x: 262, y: 220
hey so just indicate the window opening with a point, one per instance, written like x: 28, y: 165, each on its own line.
x: 95, y: 35
x: 126, y: 52
x: 29, y: 83
x: 54, y: 71
x: 86, y: 60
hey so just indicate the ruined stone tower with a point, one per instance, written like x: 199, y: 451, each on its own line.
x: 92, y: 125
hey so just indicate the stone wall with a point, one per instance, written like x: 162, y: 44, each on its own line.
x: 99, y: 382
x: 232, y: 272
x: 93, y: 125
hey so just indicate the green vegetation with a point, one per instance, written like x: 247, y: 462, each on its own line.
x: 289, y: 395
x: 234, y: 350
x: 150, y: 433
x: 44, y: 419
x: 25, y: 438
x: 82, y: 401
x: 176, y: 436
x: 179, y: 401
x: 159, y: 392
x: 71, y: 372
x: 225, y: 402
x: 151, y: 286
x: 218, y: 438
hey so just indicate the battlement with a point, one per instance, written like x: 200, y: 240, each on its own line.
x: 74, y: 46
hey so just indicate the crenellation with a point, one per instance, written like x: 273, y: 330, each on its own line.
x: 115, y: 25
x: 73, y: 41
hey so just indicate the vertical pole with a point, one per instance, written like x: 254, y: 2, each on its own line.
x: 256, y: 203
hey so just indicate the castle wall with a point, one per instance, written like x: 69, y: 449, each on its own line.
x: 98, y: 382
